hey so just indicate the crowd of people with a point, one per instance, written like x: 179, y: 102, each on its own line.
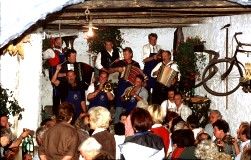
x: 151, y: 121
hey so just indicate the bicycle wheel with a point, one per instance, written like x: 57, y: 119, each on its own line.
x: 212, y: 81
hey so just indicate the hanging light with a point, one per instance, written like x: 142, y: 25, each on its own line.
x: 90, y: 32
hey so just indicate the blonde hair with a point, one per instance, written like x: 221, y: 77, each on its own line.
x: 157, y: 113
x: 100, y: 116
x: 90, y: 147
x: 222, y: 155
x: 206, y: 149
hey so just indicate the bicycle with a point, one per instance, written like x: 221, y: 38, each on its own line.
x: 227, y: 79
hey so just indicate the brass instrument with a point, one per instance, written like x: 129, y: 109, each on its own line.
x: 127, y: 95
x: 108, y: 86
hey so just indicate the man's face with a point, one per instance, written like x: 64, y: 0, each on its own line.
x: 72, y: 57
x: 166, y: 56
x: 138, y: 82
x: 108, y: 46
x: 103, y: 78
x: 5, y: 141
x: 178, y: 100
x: 213, y: 117
x: 58, y: 43
x: 152, y: 41
x: 170, y: 95
x: 123, y: 119
x: 127, y: 55
x: 71, y: 77
x: 4, y: 121
x: 218, y: 133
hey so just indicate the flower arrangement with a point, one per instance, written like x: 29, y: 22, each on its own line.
x: 187, y: 61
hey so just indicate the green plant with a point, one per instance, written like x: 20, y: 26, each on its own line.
x: 187, y: 61
x: 8, y: 104
x: 96, y: 43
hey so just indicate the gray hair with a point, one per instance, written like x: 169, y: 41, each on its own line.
x: 6, y: 132
x: 142, y: 104
x: 90, y: 148
x: 217, y: 112
x: 40, y: 131
x: 100, y: 116
x: 206, y: 149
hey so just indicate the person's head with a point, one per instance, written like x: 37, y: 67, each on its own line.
x: 171, y: 93
x: 178, y: 99
x: 193, y: 121
x: 100, y: 117
x: 4, y: 121
x: 119, y: 128
x: 58, y: 43
x: 71, y: 55
x: 157, y: 113
x: 103, y: 155
x: 152, y: 38
x: 139, y: 81
x: 108, y: 45
x: 89, y: 148
x: 122, y: 117
x: 5, y: 137
x: 244, y: 132
x: 240, y: 127
x: 40, y: 134
x: 177, y: 123
x: 186, y: 140
x: 206, y: 149
x: 141, y: 120
x: 202, y: 136
x: 222, y: 155
x: 246, y: 154
x: 142, y: 104
x: 65, y: 112
x: 214, y: 116
x: 48, y: 122
x: 127, y: 53
x: 221, y: 127
x: 166, y: 56
x: 103, y: 77
x: 169, y: 118
x: 71, y: 77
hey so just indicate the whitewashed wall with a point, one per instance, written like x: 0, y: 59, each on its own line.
x: 24, y: 78
x: 239, y: 103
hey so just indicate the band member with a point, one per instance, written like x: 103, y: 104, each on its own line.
x: 122, y: 84
x: 159, y: 91
x: 150, y: 58
x: 70, y: 91
x: 135, y: 93
x: 107, y: 56
x: 99, y: 95
x: 55, y: 56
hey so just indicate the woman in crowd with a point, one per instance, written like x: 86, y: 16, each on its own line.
x: 157, y: 114
x: 143, y: 144
x: 100, y: 118
x: 206, y: 149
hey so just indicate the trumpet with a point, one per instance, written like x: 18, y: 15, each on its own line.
x: 108, y: 86
x: 127, y: 95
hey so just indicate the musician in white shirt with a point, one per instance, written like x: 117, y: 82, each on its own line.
x: 107, y: 57
x: 159, y: 90
x: 169, y: 103
x: 149, y: 57
x: 183, y: 110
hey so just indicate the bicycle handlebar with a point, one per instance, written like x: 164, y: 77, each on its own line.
x: 237, y: 33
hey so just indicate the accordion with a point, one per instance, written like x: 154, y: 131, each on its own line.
x: 166, y: 75
x: 84, y: 73
x: 130, y: 72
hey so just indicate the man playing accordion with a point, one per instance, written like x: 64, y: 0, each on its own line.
x: 122, y: 84
x: 167, y: 65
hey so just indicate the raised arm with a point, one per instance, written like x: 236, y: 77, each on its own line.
x: 54, y: 79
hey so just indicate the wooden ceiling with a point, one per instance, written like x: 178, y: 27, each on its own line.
x: 141, y: 13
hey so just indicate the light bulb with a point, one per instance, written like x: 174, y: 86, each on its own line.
x: 90, y: 32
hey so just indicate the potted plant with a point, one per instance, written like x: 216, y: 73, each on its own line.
x: 187, y: 61
x: 8, y: 104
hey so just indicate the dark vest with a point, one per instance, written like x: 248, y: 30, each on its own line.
x: 107, y: 59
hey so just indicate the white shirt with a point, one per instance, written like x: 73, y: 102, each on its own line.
x: 119, y: 139
x: 148, y: 48
x: 184, y: 111
x: 170, y: 105
x: 174, y: 66
x: 98, y: 64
